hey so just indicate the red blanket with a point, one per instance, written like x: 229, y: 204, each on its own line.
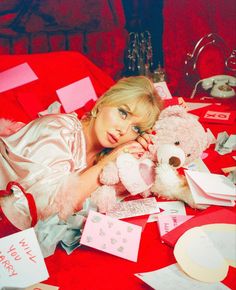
x: 86, y: 268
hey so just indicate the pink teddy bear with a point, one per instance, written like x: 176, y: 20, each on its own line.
x: 178, y: 140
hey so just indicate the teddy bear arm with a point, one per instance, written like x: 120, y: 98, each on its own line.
x: 109, y: 174
x: 104, y: 197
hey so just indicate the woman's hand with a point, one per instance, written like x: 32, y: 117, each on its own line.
x: 133, y: 147
x: 144, y: 140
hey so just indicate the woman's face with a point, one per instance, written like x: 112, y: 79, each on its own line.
x: 116, y: 125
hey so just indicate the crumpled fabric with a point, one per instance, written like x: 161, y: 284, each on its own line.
x: 54, y: 231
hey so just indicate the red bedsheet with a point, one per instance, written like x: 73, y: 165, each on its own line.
x: 86, y: 268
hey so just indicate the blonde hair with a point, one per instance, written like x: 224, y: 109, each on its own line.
x: 137, y: 90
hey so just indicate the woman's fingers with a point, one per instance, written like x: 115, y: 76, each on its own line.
x: 144, y: 140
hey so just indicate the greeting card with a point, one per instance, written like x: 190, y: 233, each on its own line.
x: 138, y: 207
x: 218, y: 114
x: 211, y: 215
x: 76, y: 95
x: 16, y: 76
x: 205, y: 253
x: 168, y: 208
x: 21, y: 260
x: 112, y: 236
x: 166, y: 223
x: 163, y: 90
x: 208, y: 188
x: 172, y: 277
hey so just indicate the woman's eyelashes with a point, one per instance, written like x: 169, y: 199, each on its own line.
x: 123, y: 113
x: 137, y: 130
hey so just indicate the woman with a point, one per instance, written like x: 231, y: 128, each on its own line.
x: 55, y: 157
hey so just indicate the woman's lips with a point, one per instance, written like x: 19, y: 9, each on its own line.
x: 112, y: 139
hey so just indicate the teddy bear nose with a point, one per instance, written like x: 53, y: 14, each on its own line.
x: 174, y: 161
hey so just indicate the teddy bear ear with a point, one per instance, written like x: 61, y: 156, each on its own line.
x: 210, y: 138
x: 176, y: 110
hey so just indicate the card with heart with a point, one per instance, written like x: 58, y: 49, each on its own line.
x: 111, y: 235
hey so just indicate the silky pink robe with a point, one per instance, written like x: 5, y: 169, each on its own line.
x: 43, y: 156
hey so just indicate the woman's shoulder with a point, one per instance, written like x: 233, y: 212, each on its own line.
x: 70, y: 118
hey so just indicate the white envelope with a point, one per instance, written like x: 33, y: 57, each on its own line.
x: 211, y: 189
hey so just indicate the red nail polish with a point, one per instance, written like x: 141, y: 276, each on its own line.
x: 154, y: 132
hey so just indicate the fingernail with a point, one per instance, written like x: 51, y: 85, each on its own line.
x: 154, y: 132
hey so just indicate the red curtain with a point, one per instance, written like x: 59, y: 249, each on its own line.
x: 185, y: 23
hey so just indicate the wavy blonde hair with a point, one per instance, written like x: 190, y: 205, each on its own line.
x: 138, y: 90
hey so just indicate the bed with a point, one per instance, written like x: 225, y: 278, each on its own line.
x: 87, y: 268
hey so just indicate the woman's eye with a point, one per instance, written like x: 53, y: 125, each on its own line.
x: 123, y: 113
x: 137, y: 130
x: 188, y: 155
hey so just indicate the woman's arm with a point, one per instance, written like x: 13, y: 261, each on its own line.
x: 79, y: 186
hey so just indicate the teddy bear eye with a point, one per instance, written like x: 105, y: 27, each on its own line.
x: 177, y: 143
x: 188, y: 155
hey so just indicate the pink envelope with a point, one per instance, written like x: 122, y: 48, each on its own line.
x: 112, y: 236
x: 16, y: 76
x: 76, y: 95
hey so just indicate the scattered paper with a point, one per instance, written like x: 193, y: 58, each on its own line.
x: 215, y: 185
x: 206, y: 252
x: 166, y: 223
x: 134, y: 208
x: 228, y: 169
x: 225, y: 143
x: 213, y: 116
x: 16, y: 76
x: 168, y: 208
x: 193, y: 106
x: 173, y: 278
x: 223, y: 237
x: 208, y: 188
x: 42, y: 286
x: 112, y: 236
x: 232, y: 176
x: 76, y: 95
x: 211, y: 215
x: 197, y: 165
x: 163, y: 90
x: 21, y: 260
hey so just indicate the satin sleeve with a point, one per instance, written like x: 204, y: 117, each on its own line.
x: 42, y: 156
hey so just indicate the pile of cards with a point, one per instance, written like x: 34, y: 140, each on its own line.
x: 211, y: 189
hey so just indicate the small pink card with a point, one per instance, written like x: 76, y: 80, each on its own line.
x: 163, y: 90
x: 112, y: 236
x: 16, y: 76
x: 166, y: 223
x: 76, y: 95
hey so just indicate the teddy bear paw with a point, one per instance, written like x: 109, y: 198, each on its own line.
x: 104, y: 198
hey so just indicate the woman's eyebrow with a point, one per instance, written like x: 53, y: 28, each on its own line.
x: 127, y: 108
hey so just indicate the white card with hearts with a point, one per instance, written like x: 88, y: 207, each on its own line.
x: 112, y: 236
